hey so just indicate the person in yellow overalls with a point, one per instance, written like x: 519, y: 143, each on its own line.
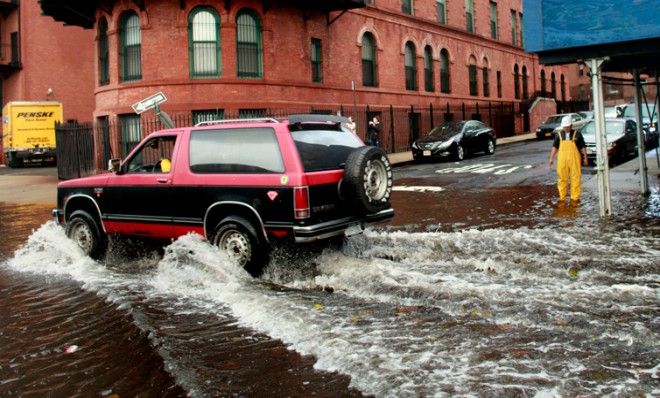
x: 570, y: 146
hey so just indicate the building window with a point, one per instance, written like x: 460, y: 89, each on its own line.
x: 410, y: 67
x: 369, y: 60
x: 514, y: 29
x: 563, y: 87
x: 522, y: 38
x: 203, y: 45
x: 525, y: 92
x: 498, y: 76
x: 444, y: 72
x: 472, y: 73
x: 516, y: 82
x: 543, y: 90
x: 104, y: 66
x: 207, y: 115
x: 317, y: 64
x: 130, y: 42
x: 493, y: 20
x: 485, y: 78
x: 553, y: 85
x: 469, y: 15
x: 407, y: 7
x: 248, y: 45
x: 428, y: 69
x: 441, y: 6
x: 130, y: 132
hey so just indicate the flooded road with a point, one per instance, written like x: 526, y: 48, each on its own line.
x: 484, y: 292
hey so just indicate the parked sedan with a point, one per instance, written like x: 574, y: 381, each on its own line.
x: 621, y: 139
x: 553, y: 123
x: 455, y: 139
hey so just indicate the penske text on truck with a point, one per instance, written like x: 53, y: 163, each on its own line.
x: 28, y: 131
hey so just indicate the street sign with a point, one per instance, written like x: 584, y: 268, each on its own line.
x: 149, y: 102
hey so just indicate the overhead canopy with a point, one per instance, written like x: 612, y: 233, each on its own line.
x: 82, y: 13
x: 627, y: 32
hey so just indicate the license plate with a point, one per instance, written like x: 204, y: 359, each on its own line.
x: 353, y: 230
x: 548, y: 134
x: 427, y: 153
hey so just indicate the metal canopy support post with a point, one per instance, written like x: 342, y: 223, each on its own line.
x: 604, y: 197
x: 643, y: 172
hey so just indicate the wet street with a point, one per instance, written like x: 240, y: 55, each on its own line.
x: 482, y: 285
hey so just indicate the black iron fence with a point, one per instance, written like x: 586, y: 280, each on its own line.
x: 85, y: 148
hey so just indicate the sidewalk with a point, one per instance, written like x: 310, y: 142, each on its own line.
x: 406, y: 157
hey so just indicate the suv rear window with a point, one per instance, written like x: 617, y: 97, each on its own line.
x: 322, y: 148
x: 240, y: 150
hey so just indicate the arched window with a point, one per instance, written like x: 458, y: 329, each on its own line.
x: 563, y: 87
x: 428, y: 69
x: 410, y: 66
x: 130, y: 45
x: 525, y: 88
x: 516, y: 82
x: 485, y: 78
x: 369, y: 60
x: 249, y: 48
x: 543, y: 90
x: 203, y: 42
x: 444, y: 71
x: 103, y: 53
x: 472, y: 72
x: 553, y: 85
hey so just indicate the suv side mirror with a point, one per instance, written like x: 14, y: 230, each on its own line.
x: 113, y: 164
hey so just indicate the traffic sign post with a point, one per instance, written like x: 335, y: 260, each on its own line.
x: 149, y: 102
x: 153, y: 102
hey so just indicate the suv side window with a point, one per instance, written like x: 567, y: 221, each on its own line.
x: 155, y: 156
x: 238, y: 150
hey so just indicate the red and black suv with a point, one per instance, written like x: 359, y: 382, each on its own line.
x: 241, y: 184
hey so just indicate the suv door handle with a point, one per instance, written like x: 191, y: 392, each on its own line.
x: 162, y: 180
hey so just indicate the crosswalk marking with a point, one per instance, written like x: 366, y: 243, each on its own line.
x: 485, y: 168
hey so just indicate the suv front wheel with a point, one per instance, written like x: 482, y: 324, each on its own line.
x: 238, y: 238
x: 82, y: 229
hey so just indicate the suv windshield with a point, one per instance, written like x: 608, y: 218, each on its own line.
x: 322, y: 148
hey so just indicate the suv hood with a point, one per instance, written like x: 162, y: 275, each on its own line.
x: 85, y: 181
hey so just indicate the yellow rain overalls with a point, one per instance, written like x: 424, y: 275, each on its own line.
x: 568, y: 166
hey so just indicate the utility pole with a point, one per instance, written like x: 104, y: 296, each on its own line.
x: 602, y: 166
x: 643, y: 172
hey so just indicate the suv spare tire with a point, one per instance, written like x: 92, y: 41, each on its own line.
x: 368, y: 179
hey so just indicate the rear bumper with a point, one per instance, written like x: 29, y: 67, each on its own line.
x: 338, y: 227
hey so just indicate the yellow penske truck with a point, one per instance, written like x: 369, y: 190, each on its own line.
x: 28, y: 131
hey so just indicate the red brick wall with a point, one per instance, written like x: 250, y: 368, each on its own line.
x: 52, y: 56
x: 540, y: 110
x: 286, y: 57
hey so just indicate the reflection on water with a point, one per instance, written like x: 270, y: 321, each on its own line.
x: 501, y: 295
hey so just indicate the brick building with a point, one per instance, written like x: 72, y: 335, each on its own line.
x: 35, y: 66
x: 41, y: 60
x: 216, y: 59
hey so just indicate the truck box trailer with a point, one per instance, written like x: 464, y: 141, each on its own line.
x: 28, y: 131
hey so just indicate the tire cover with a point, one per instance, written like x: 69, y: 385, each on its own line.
x: 368, y: 179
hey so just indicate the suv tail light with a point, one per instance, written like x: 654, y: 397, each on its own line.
x: 301, y: 202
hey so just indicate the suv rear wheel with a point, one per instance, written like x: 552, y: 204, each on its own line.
x: 82, y: 229
x: 368, y: 179
x: 238, y: 238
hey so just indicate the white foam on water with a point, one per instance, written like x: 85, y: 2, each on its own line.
x: 423, y: 314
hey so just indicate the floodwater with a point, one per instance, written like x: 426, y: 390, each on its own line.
x: 489, y: 293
